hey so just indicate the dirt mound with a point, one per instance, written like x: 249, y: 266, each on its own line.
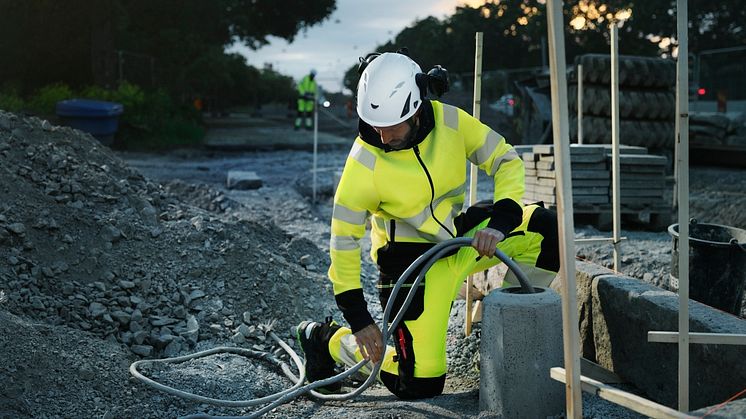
x: 91, y: 244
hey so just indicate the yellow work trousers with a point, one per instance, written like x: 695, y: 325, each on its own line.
x: 414, y: 365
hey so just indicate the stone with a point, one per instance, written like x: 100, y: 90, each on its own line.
x: 238, y: 338
x: 172, y: 349
x: 111, y: 234
x: 196, y: 294
x: 68, y: 288
x: 139, y: 337
x: 121, y: 316
x: 126, y: 284
x: 163, y: 321
x: 626, y: 309
x: 96, y: 309
x: 17, y: 228
x: 243, y: 180
x: 37, y: 303
x: 142, y: 350
x: 244, y: 330
x: 305, y: 260
x: 246, y: 317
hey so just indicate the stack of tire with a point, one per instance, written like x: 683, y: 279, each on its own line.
x: 647, y: 100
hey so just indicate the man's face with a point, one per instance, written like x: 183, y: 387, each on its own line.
x: 396, y: 136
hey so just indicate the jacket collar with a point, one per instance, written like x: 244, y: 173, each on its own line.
x: 427, y: 123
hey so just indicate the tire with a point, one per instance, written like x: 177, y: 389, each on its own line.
x: 650, y: 134
x: 634, y: 71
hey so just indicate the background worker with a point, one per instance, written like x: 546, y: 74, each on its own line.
x: 407, y: 169
x: 306, y: 98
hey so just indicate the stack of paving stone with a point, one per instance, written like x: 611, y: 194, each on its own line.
x: 590, y: 175
x: 642, y: 178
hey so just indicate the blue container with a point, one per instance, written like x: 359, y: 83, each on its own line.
x: 96, y: 117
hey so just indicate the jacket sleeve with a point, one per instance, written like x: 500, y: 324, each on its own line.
x: 355, y: 199
x: 491, y: 153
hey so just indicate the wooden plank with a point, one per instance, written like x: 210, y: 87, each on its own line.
x: 700, y: 338
x: 631, y: 401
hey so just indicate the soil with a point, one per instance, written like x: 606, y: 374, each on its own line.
x: 110, y: 257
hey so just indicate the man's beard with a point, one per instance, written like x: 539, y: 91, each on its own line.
x: 408, y: 141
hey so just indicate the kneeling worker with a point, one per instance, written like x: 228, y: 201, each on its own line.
x: 407, y: 169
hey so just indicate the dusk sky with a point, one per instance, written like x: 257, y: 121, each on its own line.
x: 355, y: 28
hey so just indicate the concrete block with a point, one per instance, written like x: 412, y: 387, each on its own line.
x: 585, y: 272
x: 238, y: 179
x: 521, y: 340
x: 625, y: 309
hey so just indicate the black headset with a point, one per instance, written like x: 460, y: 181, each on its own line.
x: 436, y: 80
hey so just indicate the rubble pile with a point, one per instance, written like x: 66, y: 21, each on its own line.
x: 89, y: 243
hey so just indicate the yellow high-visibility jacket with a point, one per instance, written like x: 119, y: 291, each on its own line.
x: 307, y: 86
x: 393, y: 187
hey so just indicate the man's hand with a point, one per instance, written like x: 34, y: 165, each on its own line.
x: 370, y: 342
x: 486, y: 240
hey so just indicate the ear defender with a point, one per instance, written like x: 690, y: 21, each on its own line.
x: 437, y: 81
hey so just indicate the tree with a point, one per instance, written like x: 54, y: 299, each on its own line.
x: 514, y: 31
x: 177, y: 43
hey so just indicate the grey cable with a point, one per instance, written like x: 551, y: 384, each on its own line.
x: 427, y: 259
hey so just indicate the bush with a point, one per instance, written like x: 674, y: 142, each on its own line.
x: 11, y: 102
x: 151, y: 119
x: 45, y: 100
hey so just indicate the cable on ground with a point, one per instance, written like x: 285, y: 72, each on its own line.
x: 427, y: 259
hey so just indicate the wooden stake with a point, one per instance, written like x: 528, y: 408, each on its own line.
x: 570, y: 332
x: 474, y: 174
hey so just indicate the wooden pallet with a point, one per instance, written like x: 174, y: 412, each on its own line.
x: 654, y: 218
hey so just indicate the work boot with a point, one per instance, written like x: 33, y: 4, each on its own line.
x: 313, y: 338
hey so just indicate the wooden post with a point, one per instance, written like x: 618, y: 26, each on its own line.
x: 615, y: 169
x: 315, y: 138
x: 560, y: 129
x: 682, y: 114
x: 580, y: 103
x: 474, y: 174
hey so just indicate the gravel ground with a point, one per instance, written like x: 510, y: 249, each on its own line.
x: 111, y: 257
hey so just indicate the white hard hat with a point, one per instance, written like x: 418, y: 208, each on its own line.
x: 387, y: 92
